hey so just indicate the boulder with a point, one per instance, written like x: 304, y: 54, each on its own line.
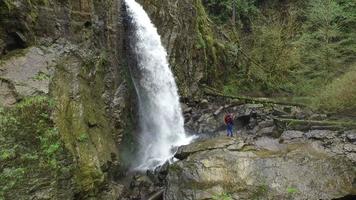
x: 204, y: 103
x: 210, y: 169
x: 321, y: 134
x: 351, y: 135
x: 267, y: 123
x: 291, y: 134
x: 350, y: 148
x: 184, y: 151
x: 8, y: 95
x: 268, y: 131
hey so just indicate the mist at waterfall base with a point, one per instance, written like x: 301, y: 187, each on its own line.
x: 160, y: 116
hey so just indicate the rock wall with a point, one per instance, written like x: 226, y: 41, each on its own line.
x: 227, y: 168
x: 71, y: 51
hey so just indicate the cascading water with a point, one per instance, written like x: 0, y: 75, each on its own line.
x: 160, y: 115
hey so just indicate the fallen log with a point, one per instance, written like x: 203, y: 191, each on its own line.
x: 314, y: 124
x: 213, y: 92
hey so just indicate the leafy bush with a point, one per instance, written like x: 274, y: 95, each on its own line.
x: 339, y: 95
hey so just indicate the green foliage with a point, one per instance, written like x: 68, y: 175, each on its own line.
x: 339, y: 95
x: 222, y: 196
x: 41, y: 76
x: 83, y: 137
x: 11, y: 176
x: 326, y: 45
x: 260, y: 192
x: 9, y: 4
x: 206, y: 42
x: 292, y: 190
x: 221, y: 10
x: 294, y: 48
x: 29, y: 142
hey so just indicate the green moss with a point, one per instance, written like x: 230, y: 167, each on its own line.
x: 88, y: 178
x: 260, y: 192
x: 13, y: 54
x: 81, y: 117
x: 206, y: 43
x: 83, y: 137
x: 30, y: 147
x: 222, y: 196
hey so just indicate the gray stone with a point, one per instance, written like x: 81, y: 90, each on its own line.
x: 268, y: 131
x: 352, y: 157
x: 184, y: 151
x: 188, y: 110
x: 351, y: 135
x: 256, y: 173
x: 289, y: 135
x: 269, y: 144
x: 218, y: 111
x: 350, y: 148
x: 204, y: 103
x: 267, y: 123
x: 321, y: 134
x: 7, y: 93
x: 29, y: 72
x: 113, y: 192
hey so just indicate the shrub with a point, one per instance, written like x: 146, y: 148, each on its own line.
x: 339, y: 95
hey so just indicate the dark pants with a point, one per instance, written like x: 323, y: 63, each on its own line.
x: 229, y: 129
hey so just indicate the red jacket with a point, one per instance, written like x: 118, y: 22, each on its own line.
x: 228, y: 119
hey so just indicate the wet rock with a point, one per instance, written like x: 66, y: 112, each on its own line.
x: 140, y: 188
x: 188, y: 110
x: 204, y: 103
x: 112, y: 192
x: 8, y: 94
x: 203, y: 118
x: 351, y: 135
x: 321, y: 134
x: 184, y: 151
x: 254, y: 172
x: 267, y: 123
x: 291, y: 134
x: 268, y: 131
x: 350, y: 148
x: 236, y: 146
x: 30, y: 71
x: 352, y: 157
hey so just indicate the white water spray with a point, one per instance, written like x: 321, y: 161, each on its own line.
x: 160, y: 115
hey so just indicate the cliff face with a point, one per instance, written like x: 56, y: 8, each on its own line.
x: 70, y: 52
x: 70, y: 56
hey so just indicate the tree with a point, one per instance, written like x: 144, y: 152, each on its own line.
x: 324, y: 41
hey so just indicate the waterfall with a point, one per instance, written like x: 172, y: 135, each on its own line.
x: 160, y: 116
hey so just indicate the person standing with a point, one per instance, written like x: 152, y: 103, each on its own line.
x: 229, y: 122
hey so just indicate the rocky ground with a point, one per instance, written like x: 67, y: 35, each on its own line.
x: 278, y: 152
